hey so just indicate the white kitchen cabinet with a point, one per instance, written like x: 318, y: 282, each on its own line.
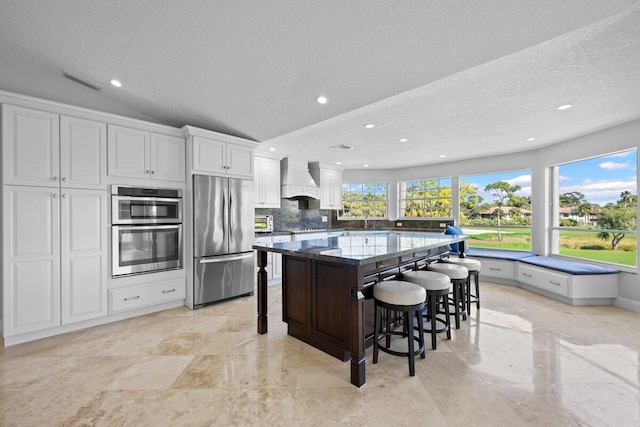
x: 146, y: 294
x: 267, y: 182
x: 45, y: 149
x: 55, y: 258
x: 31, y: 259
x: 222, y: 158
x: 277, y: 258
x: 496, y: 268
x: 31, y: 147
x: 135, y: 153
x: 542, y: 278
x: 83, y: 245
x: 329, y: 179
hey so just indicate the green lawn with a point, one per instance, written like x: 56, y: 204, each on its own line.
x: 578, y: 244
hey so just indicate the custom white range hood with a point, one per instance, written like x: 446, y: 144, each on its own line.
x: 297, y: 182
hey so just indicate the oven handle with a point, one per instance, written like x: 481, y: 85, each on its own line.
x: 226, y: 258
x: 149, y: 199
x: 146, y: 227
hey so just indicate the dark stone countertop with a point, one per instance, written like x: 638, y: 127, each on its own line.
x: 363, y: 246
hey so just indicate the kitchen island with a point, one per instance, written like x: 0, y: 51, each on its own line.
x: 327, y: 286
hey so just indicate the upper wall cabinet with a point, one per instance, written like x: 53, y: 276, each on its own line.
x: 329, y: 179
x: 48, y: 150
x: 267, y: 182
x: 136, y: 153
x: 218, y: 154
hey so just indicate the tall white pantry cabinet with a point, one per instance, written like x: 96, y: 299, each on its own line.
x: 54, y: 219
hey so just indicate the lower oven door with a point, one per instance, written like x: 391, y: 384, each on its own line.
x: 145, y: 248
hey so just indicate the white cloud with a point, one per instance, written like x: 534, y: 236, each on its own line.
x: 564, y: 178
x: 601, y: 192
x: 521, y: 180
x: 613, y: 165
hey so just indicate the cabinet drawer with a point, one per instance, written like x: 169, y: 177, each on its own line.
x: 496, y: 268
x: 551, y: 281
x: 279, y: 239
x: 132, y: 297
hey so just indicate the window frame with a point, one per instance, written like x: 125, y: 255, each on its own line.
x: 341, y: 217
x: 402, y: 201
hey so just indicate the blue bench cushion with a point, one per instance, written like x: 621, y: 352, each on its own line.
x: 454, y: 248
x: 570, y: 267
x: 505, y: 254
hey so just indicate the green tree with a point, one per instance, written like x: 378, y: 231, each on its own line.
x: 572, y: 199
x: 617, y: 218
x: 502, y: 192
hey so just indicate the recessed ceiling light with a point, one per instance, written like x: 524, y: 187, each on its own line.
x: 369, y: 125
x: 443, y: 155
x: 338, y: 163
x: 531, y: 139
x: 272, y: 149
x: 116, y: 83
x: 565, y: 107
x: 403, y: 139
x: 366, y: 166
x: 322, y: 100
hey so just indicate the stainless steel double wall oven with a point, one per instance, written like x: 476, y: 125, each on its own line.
x: 146, y: 229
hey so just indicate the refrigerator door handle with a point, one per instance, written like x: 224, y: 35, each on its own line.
x: 226, y: 258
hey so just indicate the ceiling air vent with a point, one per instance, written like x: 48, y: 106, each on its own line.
x: 82, y: 81
x: 342, y: 147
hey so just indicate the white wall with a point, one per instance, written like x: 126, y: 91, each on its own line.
x: 618, y: 138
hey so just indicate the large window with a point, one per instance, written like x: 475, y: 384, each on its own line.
x: 495, y: 209
x: 427, y: 198
x: 595, y: 209
x: 364, y: 200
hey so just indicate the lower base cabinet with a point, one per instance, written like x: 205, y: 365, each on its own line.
x: 137, y: 296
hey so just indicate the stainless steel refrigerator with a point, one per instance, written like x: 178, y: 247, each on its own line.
x: 223, y: 237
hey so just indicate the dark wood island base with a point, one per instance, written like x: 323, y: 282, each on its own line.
x: 327, y: 299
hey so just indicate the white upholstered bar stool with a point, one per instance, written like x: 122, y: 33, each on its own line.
x: 474, y: 266
x: 400, y: 296
x: 458, y: 276
x: 438, y: 286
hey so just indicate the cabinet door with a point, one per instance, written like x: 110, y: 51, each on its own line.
x: 267, y: 182
x: 83, y: 153
x: 128, y: 151
x: 167, y: 158
x: 239, y: 160
x: 30, y: 147
x: 330, y: 189
x: 83, y: 231
x: 31, y: 260
x: 209, y: 155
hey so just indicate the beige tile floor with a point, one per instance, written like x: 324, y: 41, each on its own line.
x: 522, y: 359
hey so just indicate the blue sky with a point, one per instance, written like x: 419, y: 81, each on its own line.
x: 600, y: 179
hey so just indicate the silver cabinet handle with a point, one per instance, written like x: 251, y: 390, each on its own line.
x: 64, y: 179
x: 64, y: 196
x: 55, y: 179
x: 495, y: 269
x: 147, y: 172
x: 527, y: 275
x: 153, y: 172
x: 130, y: 298
x: 55, y: 195
x: 166, y: 292
x: 554, y: 283
x: 225, y: 259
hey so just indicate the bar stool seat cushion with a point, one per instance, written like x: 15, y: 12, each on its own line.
x: 471, y: 264
x: 398, y: 292
x: 454, y: 271
x: 429, y: 280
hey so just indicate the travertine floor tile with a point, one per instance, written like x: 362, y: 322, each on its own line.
x: 521, y: 359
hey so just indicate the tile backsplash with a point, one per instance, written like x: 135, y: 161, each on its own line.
x: 291, y: 217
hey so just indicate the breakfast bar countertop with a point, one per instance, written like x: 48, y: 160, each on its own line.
x: 363, y: 247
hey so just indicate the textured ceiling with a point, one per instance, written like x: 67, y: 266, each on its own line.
x: 462, y: 79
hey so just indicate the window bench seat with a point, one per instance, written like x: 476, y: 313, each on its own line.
x: 571, y: 282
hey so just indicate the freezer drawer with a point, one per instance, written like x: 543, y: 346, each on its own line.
x: 222, y: 277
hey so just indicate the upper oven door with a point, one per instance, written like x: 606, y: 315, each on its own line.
x: 146, y: 210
